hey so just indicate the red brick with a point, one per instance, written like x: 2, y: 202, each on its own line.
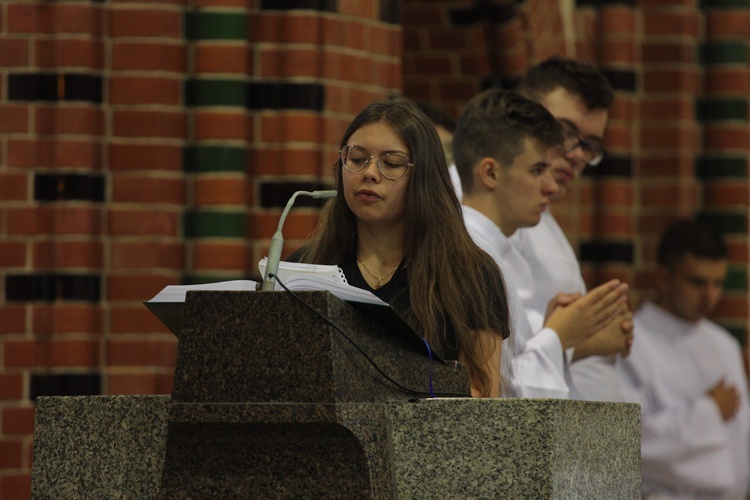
x: 298, y: 225
x: 227, y: 59
x: 55, y: 220
x: 221, y: 191
x: 11, y: 386
x: 21, y: 153
x: 55, y: 153
x: 726, y: 137
x: 68, y: 254
x: 144, y: 90
x: 149, y: 55
x: 144, y: 255
x: 726, y: 194
x: 72, y: 53
x: 48, y: 353
x: 22, y: 18
x: 14, y: 53
x: 11, y: 454
x: 290, y: 28
x: 618, y: 20
x: 15, y: 486
x: 662, y: 108
x: 133, y: 156
x: 18, y: 420
x: 291, y: 128
x: 164, y: 223
x: 667, y: 52
x: 142, y: 352
x: 142, y: 189
x: 67, y: 318
x: 616, y: 51
x: 653, y: 137
x: 619, y: 136
x: 668, y: 195
x: 141, y: 383
x: 14, y: 187
x: 152, y: 124
x: 145, y: 22
x: 140, y: 287
x: 732, y: 306
x: 14, y: 319
x: 14, y: 118
x: 225, y: 124
x: 224, y: 256
x: 669, y: 23
x: 86, y: 19
x: 658, y: 165
x: 138, y: 319
x: 287, y: 63
x: 723, y: 80
x: 685, y: 79
x: 69, y: 119
x: 50, y: 18
x: 355, y: 68
x: 221, y: 3
x: 727, y: 23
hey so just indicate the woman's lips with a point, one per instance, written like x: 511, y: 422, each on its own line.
x: 367, y: 195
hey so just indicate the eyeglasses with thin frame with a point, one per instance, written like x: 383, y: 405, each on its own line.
x: 393, y: 166
x: 593, y: 152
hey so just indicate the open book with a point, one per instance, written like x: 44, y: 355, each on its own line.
x: 168, y: 304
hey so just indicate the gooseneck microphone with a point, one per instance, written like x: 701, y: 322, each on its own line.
x: 277, y: 241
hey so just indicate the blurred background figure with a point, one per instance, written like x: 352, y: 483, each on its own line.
x: 687, y: 374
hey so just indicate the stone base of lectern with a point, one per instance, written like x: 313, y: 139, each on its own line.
x: 269, y: 401
x: 150, y: 447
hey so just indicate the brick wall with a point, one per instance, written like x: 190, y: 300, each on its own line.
x: 149, y: 143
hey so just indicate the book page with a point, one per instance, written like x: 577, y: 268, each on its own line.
x: 176, y: 293
x: 289, y: 269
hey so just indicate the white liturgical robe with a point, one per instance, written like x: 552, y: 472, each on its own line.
x: 533, y: 364
x: 687, y: 449
x: 554, y: 269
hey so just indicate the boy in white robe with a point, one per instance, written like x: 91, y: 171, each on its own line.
x: 502, y: 146
x: 687, y: 373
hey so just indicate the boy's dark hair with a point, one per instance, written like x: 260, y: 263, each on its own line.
x: 579, y: 78
x: 494, y: 124
x: 690, y: 236
x: 438, y: 115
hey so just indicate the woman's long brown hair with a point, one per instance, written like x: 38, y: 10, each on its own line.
x: 451, y: 280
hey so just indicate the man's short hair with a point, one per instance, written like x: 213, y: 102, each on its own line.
x: 438, y: 115
x: 690, y: 236
x: 494, y: 124
x: 579, y: 78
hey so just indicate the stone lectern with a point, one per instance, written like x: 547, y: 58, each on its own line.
x: 271, y: 401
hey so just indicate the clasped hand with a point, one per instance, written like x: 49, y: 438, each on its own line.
x: 577, y: 318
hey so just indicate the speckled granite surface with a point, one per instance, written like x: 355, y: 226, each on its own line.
x: 99, y: 446
x: 146, y: 447
x: 260, y: 411
x: 543, y: 448
x: 232, y: 342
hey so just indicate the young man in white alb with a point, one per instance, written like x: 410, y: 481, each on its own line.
x: 687, y: 374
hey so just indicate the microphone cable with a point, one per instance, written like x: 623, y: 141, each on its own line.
x: 431, y: 393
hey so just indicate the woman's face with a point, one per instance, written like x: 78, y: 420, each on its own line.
x: 375, y: 199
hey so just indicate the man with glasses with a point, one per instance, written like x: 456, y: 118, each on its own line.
x: 579, y: 96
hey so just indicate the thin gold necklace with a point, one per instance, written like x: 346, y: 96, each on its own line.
x: 377, y: 285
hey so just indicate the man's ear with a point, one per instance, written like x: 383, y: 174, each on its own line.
x: 488, y: 172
